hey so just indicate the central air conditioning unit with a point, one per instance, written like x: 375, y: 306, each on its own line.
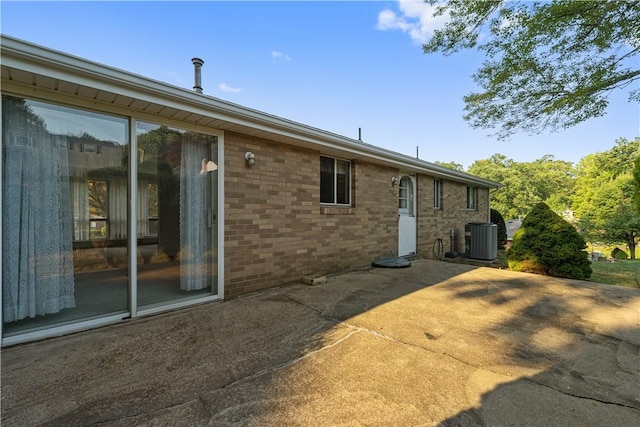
x: 481, y: 239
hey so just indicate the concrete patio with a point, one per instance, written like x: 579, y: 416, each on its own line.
x: 434, y: 344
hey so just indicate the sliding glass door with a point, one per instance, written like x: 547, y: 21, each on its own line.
x: 64, y: 215
x: 177, y: 215
x: 73, y: 193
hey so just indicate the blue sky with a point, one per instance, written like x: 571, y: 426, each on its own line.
x: 337, y: 66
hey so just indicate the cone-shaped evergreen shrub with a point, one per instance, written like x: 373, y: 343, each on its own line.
x: 547, y: 244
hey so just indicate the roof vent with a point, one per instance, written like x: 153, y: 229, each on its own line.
x: 197, y: 68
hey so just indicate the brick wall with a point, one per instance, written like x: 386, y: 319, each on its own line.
x: 276, y: 232
x: 453, y: 214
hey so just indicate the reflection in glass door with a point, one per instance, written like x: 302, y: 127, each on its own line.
x: 64, y: 215
x: 176, y: 215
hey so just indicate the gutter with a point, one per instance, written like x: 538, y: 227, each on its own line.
x: 59, y: 65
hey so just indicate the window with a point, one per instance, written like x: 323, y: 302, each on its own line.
x: 405, y: 196
x: 472, y: 193
x: 437, y: 193
x: 335, y: 181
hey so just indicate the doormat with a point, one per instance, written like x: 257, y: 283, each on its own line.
x: 395, y: 262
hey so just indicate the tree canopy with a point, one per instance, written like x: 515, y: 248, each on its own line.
x: 601, y: 195
x: 636, y: 179
x: 451, y: 165
x: 605, y: 192
x: 527, y: 183
x: 549, y: 65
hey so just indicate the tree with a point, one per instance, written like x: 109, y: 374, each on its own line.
x: 604, y: 195
x: 451, y: 165
x: 609, y: 216
x: 636, y: 180
x: 550, y: 65
x: 500, y: 169
x: 547, y: 244
x: 526, y: 184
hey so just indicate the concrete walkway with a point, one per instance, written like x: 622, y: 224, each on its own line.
x: 434, y: 344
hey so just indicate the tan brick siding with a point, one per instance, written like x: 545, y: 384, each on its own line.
x: 453, y: 214
x: 276, y: 231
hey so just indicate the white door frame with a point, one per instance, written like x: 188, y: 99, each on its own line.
x: 406, y: 215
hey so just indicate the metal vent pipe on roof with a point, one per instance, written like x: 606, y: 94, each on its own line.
x: 197, y: 68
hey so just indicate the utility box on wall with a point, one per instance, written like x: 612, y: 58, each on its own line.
x: 483, y: 240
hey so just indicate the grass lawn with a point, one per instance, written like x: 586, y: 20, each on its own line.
x: 621, y: 273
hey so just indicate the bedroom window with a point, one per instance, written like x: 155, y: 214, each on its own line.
x: 335, y: 181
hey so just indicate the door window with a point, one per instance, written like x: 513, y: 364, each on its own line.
x: 405, y: 196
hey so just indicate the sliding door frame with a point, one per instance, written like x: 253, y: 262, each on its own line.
x: 134, y: 311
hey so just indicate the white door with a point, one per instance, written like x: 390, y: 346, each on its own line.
x: 406, y: 217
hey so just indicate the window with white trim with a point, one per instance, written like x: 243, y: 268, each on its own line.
x: 437, y: 194
x: 335, y: 181
x: 472, y: 196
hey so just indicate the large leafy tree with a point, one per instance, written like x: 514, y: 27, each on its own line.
x: 604, y: 195
x: 451, y: 165
x: 636, y: 180
x: 527, y: 183
x: 549, y: 65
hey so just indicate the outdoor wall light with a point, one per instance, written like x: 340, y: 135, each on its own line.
x: 250, y: 158
x: 394, y: 180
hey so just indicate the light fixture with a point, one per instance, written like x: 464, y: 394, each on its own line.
x: 250, y: 158
x: 394, y: 180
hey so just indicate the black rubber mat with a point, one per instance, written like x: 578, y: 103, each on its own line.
x: 395, y: 262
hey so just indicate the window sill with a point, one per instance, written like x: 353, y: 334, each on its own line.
x: 336, y: 210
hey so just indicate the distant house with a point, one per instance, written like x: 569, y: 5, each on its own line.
x: 124, y: 196
x: 512, y: 226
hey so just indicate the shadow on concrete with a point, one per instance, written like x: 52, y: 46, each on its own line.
x: 485, y: 347
x: 434, y: 344
x: 586, y: 339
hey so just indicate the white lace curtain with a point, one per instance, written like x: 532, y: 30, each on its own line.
x: 143, y: 208
x: 195, y: 234
x: 37, y: 253
x: 117, y: 202
x: 117, y: 208
x: 80, y: 208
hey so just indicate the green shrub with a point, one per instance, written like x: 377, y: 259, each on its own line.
x: 496, y: 218
x: 547, y: 244
x: 619, y: 254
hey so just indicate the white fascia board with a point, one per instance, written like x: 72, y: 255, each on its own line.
x: 40, y: 60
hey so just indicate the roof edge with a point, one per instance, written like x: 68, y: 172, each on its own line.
x: 81, y: 67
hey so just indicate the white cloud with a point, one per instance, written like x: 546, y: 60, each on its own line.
x: 279, y: 56
x: 415, y: 18
x: 226, y: 88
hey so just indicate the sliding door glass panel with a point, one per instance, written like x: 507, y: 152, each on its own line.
x: 64, y: 215
x: 176, y: 215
